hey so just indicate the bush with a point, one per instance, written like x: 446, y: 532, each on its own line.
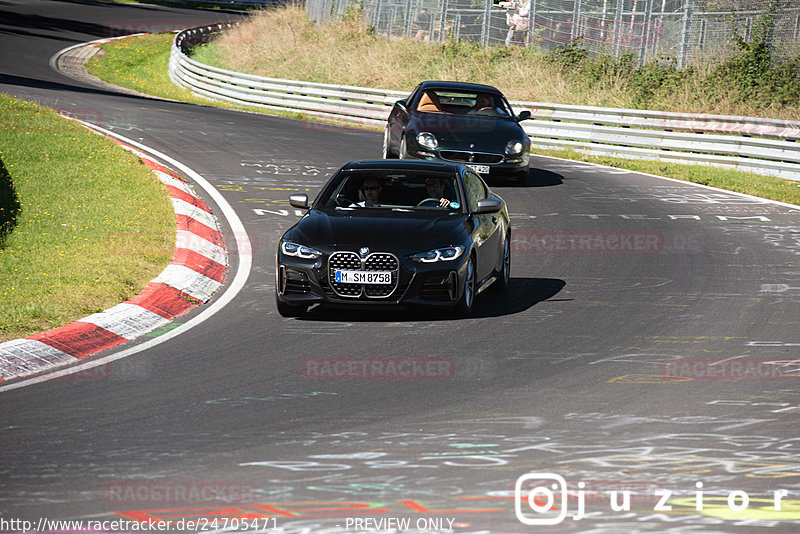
x: 9, y: 204
x: 752, y: 76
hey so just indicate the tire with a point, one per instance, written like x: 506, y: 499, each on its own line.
x: 521, y: 177
x: 387, y: 153
x: 504, y: 276
x: 289, y: 310
x: 465, y: 304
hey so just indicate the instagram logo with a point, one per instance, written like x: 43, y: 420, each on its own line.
x: 539, y: 491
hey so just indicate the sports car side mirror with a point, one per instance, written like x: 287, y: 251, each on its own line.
x: 299, y: 201
x: 402, y: 105
x: 488, y: 205
x: 523, y: 115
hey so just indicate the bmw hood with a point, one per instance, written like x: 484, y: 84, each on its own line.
x: 379, y: 230
x: 459, y: 132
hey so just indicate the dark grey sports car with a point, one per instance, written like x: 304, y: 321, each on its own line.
x: 394, y: 233
x: 462, y: 123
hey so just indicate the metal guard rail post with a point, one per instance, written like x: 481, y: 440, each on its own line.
x: 750, y: 144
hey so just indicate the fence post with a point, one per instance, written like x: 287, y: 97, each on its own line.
x: 618, y: 28
x: 531, y: 22
x: 648, y: 16
x: 576, y: 18
x: 796, y: 35
x: 685, y: 33
x: 376, y: 15
x: 486, y: 26
x: 442, y: 21
x: 408, y: 18
x: 702, y: 41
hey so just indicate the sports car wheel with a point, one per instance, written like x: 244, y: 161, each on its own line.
x: 505, y: 272
x: 288, y: 310
x: 464, y: 306
x: 387, y: 153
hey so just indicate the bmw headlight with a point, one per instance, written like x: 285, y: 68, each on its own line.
x: 438, y: 254
x: 514, y: 148
x: 299, y: 251
x: 427, y: 140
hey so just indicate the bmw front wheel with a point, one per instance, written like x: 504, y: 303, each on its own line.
x: 464, y: 305
x: 503, y: 277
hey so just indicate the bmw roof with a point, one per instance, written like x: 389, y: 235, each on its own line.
x: 403, y: 164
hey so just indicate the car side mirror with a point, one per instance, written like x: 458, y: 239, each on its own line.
x: 299, y: 201
x: 402, y: 105
x: 489, y: 205
x: 523, y: 115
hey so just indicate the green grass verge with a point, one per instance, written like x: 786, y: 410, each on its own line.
x: 142, y: 62
x: 85, y: 224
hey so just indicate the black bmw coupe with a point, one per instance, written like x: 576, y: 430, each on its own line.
x: 395, y: 233
x: 462, y: 123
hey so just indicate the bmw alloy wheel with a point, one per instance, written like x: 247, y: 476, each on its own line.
x: 505, y: 271
x: 464, y: 305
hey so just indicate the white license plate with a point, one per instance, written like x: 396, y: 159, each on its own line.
x: 363, y: 277
x: 480, y: 169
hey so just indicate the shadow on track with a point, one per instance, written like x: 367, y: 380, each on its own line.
x: 522, y: 294
x: 536, y: 178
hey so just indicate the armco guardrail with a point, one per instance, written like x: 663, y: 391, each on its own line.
x: 763, y: 146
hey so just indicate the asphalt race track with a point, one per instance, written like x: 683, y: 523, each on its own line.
x: 649, y: 342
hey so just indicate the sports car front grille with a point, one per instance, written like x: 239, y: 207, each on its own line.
x: 470, y: 157
x: 381, y: 262
x: 377, y: 261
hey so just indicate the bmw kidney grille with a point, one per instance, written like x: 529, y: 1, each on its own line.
x: 350, y: 261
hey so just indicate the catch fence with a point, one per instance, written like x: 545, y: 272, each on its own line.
x: 687, y: 32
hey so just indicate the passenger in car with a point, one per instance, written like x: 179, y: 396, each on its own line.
x: 434, y: 188
x: 486, y: 105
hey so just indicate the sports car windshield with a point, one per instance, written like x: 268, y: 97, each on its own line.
x: 454, y: 102
x: 397, y: 190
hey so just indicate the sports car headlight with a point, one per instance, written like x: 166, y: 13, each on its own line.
x: 428, y: 140
x: 299, y: 251
x: 438, y: 254
x: 514, y: 148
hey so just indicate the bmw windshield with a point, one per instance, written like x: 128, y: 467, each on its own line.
x: 397, y: 190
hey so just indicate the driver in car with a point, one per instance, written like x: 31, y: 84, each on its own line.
x: 434, y: 189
